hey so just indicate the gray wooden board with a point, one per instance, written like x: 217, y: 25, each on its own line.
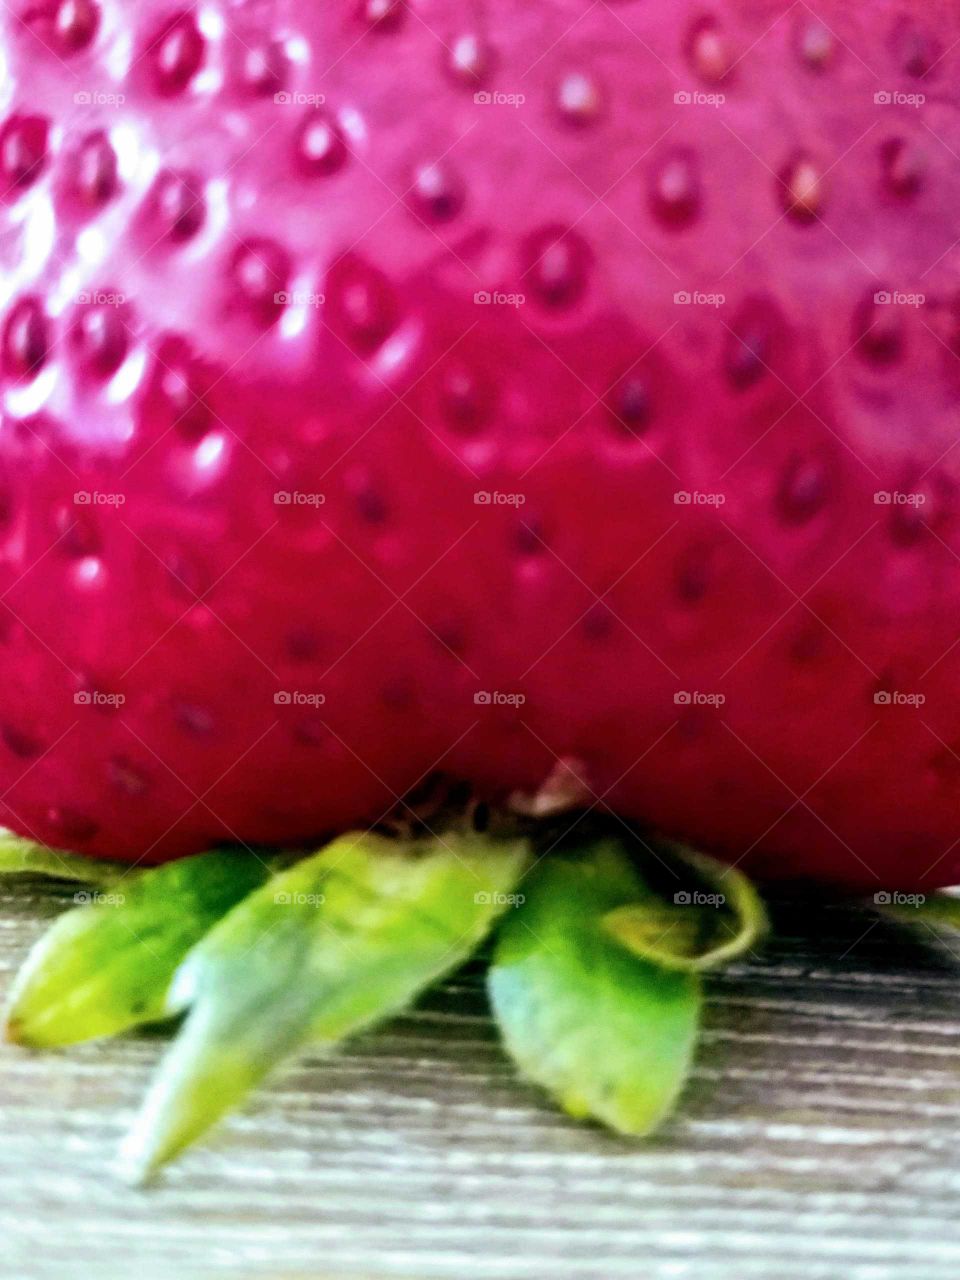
x: 819, y: 1139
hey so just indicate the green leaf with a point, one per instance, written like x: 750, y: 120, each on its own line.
x: 106, y: 966
x: 706, y: 924
x: 937, y: 909
x: 609, y: 1034
x: 327, y: 948
x: 25, y: 857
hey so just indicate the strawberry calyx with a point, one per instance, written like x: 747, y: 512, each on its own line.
x: 594, y: 976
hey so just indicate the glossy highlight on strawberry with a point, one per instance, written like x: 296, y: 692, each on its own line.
x: 405, y: 387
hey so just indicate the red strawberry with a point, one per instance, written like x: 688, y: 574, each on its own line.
x: 397, y: 387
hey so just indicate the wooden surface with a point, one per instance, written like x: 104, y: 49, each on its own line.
x: 820, y: 1139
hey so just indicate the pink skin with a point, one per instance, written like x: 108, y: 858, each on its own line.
x: 599, y: 598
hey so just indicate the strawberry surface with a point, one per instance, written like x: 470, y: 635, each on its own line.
x: 401, y: 387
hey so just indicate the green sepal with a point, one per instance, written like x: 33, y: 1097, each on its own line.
x: 608, y: 1033
x: 932, y: 909
x: 336, y: 943
x: 106, y: 966
x: 26, y: 857
x: 702, y: 925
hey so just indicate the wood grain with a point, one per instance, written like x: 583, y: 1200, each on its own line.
x: 820, y: 1139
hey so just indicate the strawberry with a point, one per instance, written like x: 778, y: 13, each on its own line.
x: 398, y: 387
